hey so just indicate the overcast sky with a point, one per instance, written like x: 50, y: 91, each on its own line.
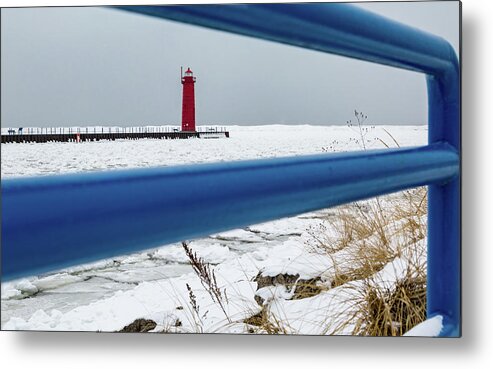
x: 100, y: 66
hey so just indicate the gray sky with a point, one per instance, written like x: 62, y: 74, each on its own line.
x: 100, y: 66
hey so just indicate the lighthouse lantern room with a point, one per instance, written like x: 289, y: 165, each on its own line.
x: 188, y: 105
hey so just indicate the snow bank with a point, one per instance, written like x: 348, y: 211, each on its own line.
x: 429, y: 328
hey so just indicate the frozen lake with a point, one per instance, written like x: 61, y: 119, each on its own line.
x: 64, y: 292
x: 245, y: 143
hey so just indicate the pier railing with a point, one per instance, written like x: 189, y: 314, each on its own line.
x: 55, y: 221
x: 82, y: 134
x: 104, y: 129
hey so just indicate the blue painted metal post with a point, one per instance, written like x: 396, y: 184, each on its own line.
x: 444, y: 238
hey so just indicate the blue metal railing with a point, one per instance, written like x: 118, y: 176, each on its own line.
x: 56, y: 221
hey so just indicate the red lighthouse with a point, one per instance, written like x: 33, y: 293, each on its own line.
x: 188, y: 106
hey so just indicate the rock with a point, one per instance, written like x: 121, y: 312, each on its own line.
x: 287, y: 280
x: 139, y: 326
x: 259, y: 300
x: 303, y: 287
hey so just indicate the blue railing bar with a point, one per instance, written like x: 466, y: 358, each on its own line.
x: 56, y: 221
x: 341, y: 29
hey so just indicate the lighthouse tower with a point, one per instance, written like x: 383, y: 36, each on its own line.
x: 188, y: 106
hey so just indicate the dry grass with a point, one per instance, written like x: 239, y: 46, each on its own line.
x: 371, y: 235
x: 208, y: 279
x: 377, y: 310
x: 387, y: 310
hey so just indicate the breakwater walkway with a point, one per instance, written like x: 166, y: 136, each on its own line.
x: 82, y: 134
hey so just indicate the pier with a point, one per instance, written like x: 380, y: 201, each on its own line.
x: 40, y: 135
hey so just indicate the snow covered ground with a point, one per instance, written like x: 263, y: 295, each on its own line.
x: 160, y: 284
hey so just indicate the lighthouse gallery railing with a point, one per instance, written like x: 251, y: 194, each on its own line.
x: 56, y: 221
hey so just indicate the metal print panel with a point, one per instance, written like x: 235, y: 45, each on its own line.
x: 168, y: 178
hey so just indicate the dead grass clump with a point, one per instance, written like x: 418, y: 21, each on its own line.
x: 363, y: 239
x: 392, y: 311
